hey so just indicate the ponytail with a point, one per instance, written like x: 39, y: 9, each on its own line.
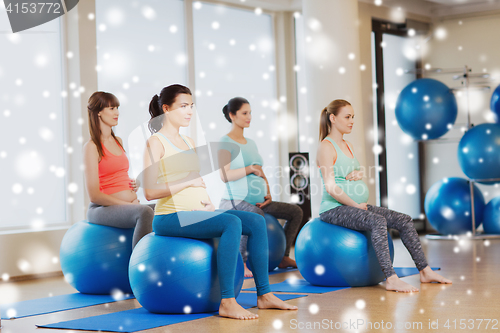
x: 167, y: 97
x: 333, y: 108
x: 155, y: 111
x: 324, y: 125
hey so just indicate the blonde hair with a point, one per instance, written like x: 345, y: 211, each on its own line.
x: 333, y: 108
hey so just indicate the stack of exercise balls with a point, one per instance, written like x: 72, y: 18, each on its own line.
x: 427, y: 109
x: 448, y: 206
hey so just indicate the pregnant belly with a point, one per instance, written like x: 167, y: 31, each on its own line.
x: 190, y: 198
x: 127, y: 195
x: 356, y: 190
x: 257, y: 189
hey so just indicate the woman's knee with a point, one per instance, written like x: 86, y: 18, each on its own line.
x: 146, y: 213
x: 254, y: 224
x: 296, y: 210
x: 231, y: 223
x: 378, y: 222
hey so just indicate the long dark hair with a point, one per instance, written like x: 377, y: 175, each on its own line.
x: 167, y: 97
x: 97, y: 102
x: 232, y: 106
x: 333, y: 108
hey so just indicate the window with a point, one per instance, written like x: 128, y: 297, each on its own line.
x: 137, y: 67
x: 234, y: 60
x: 33, y: 152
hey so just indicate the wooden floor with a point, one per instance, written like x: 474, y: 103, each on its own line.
x: 474, y: 267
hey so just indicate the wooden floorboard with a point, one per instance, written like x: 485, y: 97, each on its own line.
x: 474, y: 267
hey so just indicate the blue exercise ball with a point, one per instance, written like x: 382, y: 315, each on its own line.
x: 448, y: 206
x: 276, y: 241
x: 334, y: 256
x: 94, y: 258
x: 178, y: 275
x: 479, y: 153
x: 495, y: 103
x: 426, y: 109
x: 491, y: 218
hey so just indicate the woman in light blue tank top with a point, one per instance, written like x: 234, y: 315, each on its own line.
x: 345, y: 198
x: 246, y: 181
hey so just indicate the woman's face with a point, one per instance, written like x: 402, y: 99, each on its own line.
x: 109, y: 116
x: 181, y: 111
x: 344, y: 120
x: 243, y: 116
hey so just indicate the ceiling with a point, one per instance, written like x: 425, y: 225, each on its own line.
x: 430, y: 8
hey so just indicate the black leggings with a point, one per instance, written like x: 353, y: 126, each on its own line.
x: 377, y: 220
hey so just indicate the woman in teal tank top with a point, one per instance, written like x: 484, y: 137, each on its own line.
x: 345, y: 198
x: 247, y: 186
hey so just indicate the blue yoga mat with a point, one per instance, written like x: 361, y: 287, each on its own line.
x: 302, y: 286
x: 278, y: 271
x: 407, y: 271
x: 53, y: 304
x: 140, y: 319
x: 299, y: 286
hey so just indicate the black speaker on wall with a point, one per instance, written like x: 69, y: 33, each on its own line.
x: 300, y: 184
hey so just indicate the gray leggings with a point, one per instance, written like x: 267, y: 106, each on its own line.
x: 377, y: 220
x: 139, y: 217
x: 280, y: 210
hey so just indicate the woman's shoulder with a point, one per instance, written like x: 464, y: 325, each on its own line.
x: 90, y: 146
x: 327, y: 146
x: 191, y: 141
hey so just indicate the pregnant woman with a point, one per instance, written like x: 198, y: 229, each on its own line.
x: 112, y: 193
x: 345, y: 196
x: 247, y: 183
x: 184, y: 208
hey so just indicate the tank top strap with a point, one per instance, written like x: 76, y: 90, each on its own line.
x: 187, y: 141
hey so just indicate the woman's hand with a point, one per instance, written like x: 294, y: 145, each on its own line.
x: 257, y: 170
x: 209, y: 207
x: 362, y: 206
x: 134, y: 184
x: 355, y: 175
x: 198, y: 182
x: 268, y: 199
x: 136, y: 202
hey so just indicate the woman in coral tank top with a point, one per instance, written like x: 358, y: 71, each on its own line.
x: 112, y: 193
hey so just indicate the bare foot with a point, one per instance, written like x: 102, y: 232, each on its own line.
x: 287, y: 262
x: 394, y: 283
x: 269, y: 301
x: 427, y: 275
x: 248, y: 272
x: 231, y: 309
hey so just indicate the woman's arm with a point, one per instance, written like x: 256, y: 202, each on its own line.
x: 326, y: 156
x: 228, y: 175
x: 153, y: 190
x: 91, y: 162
